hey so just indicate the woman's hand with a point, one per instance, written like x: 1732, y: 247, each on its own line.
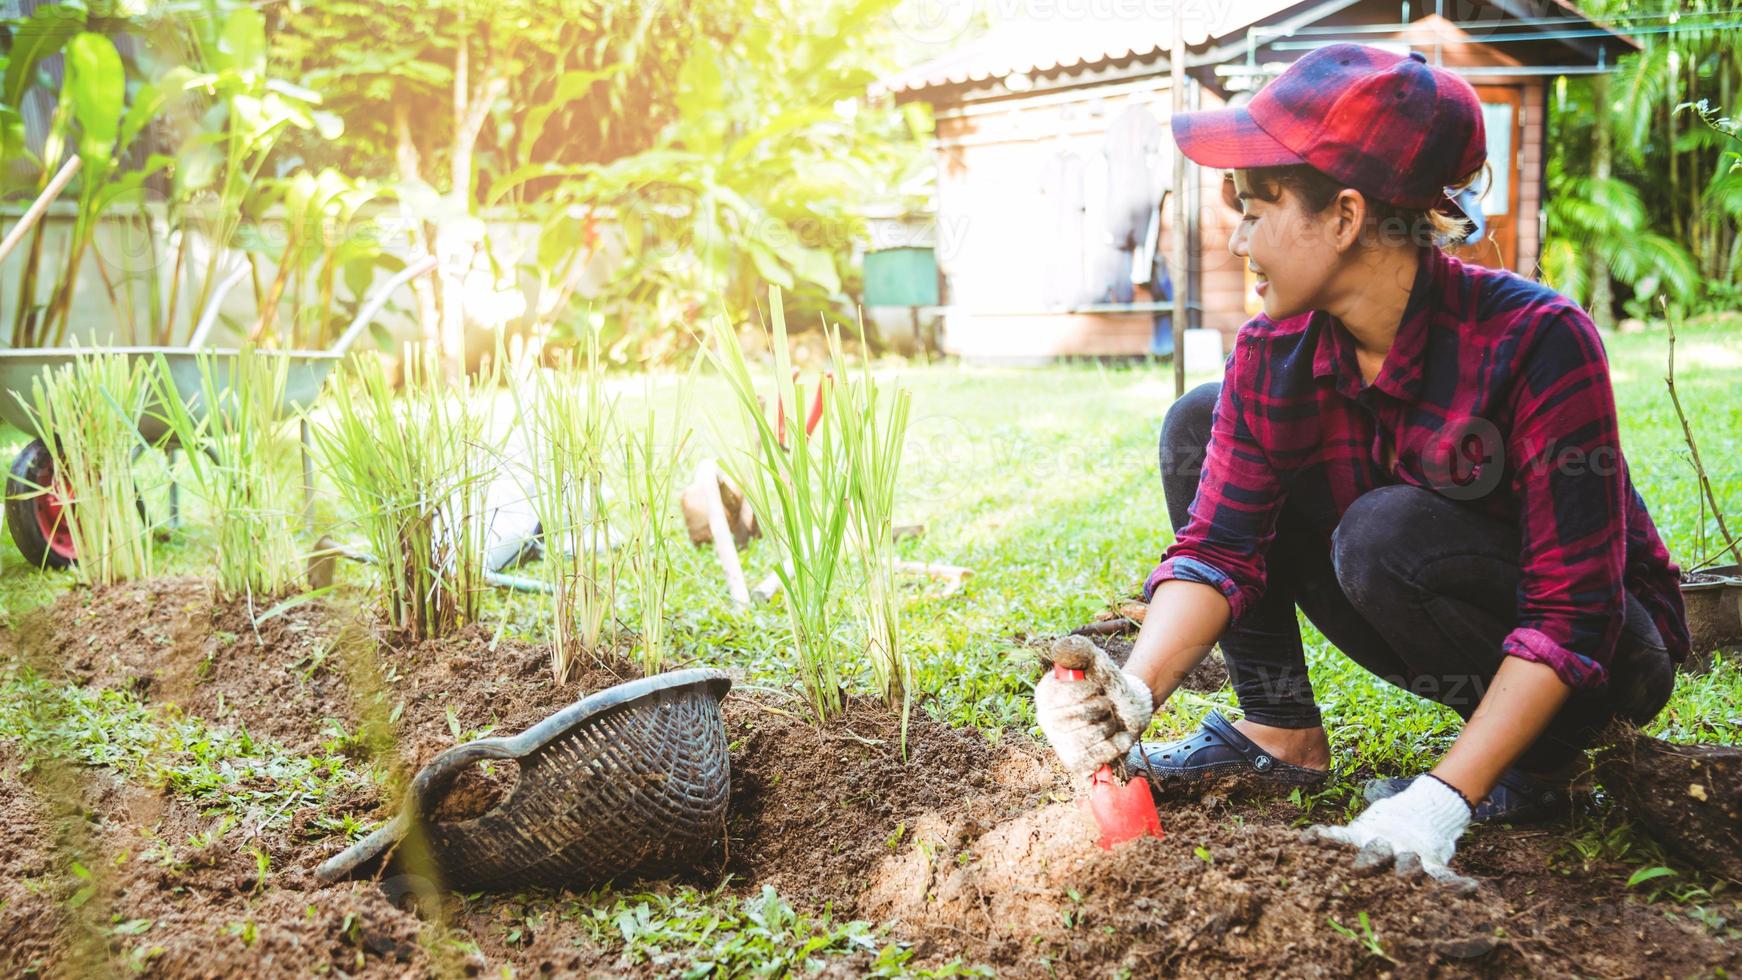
x: 1416, y: 830
x: 1093, y: 721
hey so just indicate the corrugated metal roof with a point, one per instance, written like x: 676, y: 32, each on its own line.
x: 1072, y: 35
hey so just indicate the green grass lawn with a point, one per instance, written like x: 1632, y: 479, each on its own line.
x: 1044, y: 482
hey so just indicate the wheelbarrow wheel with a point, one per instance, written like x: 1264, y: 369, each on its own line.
x: 35, y: 515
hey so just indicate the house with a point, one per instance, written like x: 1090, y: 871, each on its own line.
x: 1055, y: 212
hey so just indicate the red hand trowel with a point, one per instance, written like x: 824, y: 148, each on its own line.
x: 1124, y: 810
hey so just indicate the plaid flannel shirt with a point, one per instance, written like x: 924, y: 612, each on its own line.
x: 1495, y: 393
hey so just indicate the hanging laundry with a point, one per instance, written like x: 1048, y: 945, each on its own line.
x: 1061, y: 186
x: 1139, y: 167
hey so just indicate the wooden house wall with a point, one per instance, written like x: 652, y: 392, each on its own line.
x: 998, y: 248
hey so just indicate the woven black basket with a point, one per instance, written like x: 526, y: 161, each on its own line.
x: 630, y: 782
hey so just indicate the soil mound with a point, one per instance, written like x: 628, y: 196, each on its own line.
x: 814, y: 809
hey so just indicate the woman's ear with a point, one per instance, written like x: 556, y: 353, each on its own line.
x: 1348, y: 213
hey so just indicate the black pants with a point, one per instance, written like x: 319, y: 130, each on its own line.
x: 1418, y: 589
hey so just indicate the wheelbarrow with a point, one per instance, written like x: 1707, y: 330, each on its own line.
x: 34, y: 508
x: 632, y: 781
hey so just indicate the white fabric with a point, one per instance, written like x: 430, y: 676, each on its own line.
x: 1424, y: 820
x: 1095, y: 720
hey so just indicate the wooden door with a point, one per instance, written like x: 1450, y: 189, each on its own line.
x: 1503, y: 117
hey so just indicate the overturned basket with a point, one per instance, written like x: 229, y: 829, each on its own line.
x: 629, y: 782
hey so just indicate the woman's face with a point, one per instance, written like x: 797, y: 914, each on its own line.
x: 1290, y: 249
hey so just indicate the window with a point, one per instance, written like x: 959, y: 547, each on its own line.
x: 1497, y: 119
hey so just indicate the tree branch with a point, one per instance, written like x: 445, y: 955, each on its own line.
x: 404, y: 146
x: 1688, y: 433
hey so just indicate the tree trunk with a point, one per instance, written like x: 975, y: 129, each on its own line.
x: 1697, y: 224
x: 405, y: 155
x: 457, y: 242
x: 1602, y: 293
x: 1675, y: 214
x: 1726, y: 240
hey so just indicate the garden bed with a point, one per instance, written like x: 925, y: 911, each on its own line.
x: 969, y: 849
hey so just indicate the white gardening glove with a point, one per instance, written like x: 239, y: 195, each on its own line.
x: 1091, y: 722
x: 1416, y: 830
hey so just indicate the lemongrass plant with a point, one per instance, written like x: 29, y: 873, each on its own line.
x: 800, y: 495
x: 236, y: 446
x: 87, y: 412
x: 870, y: 421
x: 567, y: 422
x: 413, y: 471
x: 650, y: 484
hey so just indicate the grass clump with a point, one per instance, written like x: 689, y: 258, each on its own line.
x: 222, y: 769
x: 824, y: 496
x: 87, y: 412
x: 650, y: 482
x: 238, y: 453
x: 718, y: 934
x: 413, y: 471
x: 870, y: 420
x: 566, y: 424
x: 800, y: 494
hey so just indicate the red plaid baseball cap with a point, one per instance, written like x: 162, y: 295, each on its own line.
x: 1388, y: 125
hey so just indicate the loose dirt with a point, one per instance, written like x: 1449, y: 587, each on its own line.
x: 970, y: 848
x: 1695, y: 789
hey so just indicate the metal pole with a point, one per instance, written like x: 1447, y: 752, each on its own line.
x: 1178, y: 65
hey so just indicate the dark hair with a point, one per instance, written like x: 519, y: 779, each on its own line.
x: 1317, y: 190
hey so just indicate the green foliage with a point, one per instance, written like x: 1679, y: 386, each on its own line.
x: 1665, y: 223
x: 35, y: 38
x: 798, y: 484
x: 1604, y: 221
x: 94, y: 115
x: 672, y: 156
x: 87, y: 412
x: 201, y: 76
x: 413, y: 471
x: 581, y: 80
x: 1368, y: 939
x: 239, y: 453
x: 258, y: 110
x: 225, y: 770
x: 650, y: 464
x: 567, y: 422
x: 761, y: 177
x: 871, y: 421
x: 820, y: 495
x: 325, y: 244
x: 723, y: 936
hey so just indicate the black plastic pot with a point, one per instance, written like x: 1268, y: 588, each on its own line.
x: 1713, y: 598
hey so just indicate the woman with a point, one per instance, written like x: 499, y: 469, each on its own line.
x: 1421, y: 455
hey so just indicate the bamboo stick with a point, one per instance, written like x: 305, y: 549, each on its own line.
x: 38, y: 206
